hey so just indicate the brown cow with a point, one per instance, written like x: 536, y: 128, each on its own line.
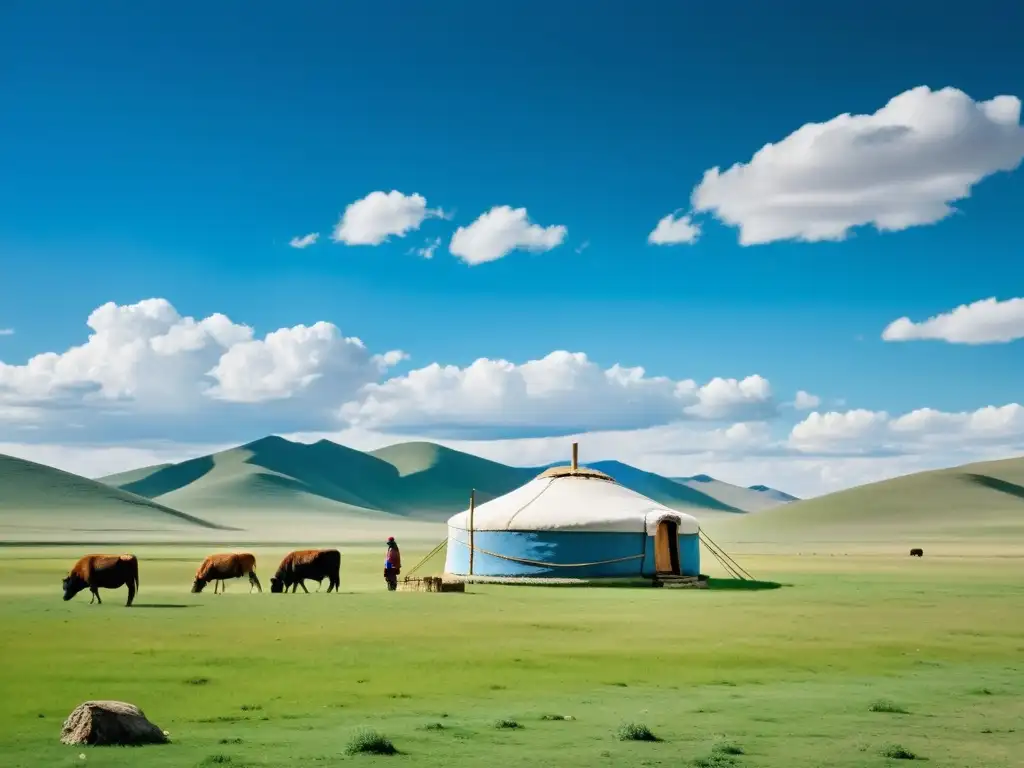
x: 107, y: 571
x: 315, y: 564
x: 217, y: 568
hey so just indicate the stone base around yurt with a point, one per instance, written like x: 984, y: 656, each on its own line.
x: 664, y: 580
x: 674, y: 581
x: 431, y: 584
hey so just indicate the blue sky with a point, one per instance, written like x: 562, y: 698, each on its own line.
x: 147, y: 153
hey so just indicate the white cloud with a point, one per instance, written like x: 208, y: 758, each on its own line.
x: 805, y: 401
x: 6, y: 331
x: 305, y: 241
x: 842, y: 431
x: 984, y: 322
x: 379, y: 215
x: 145, y: 358
x: 899, y: 167
x: 919, y: 431
x: 582, y: 246
x: 291, y: 360
x: 427, y: 249
x: 501, y: 230
x: 561, y: 392
x: 674, y: 231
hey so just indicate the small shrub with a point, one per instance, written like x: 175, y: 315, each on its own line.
x: 368, y: 742
x: 727, y: 748
x: 882, y: 705
x: 198, y: 681
x: 251, y: 707
x: 983, y: 691
x: 509, y: 725
x: 896, y: 752
x: 230, y: 741
x: 218, y: 760
x: 714, y: 761
x: 635, y: 732
x: 557, y: 717
x: 432, y: 727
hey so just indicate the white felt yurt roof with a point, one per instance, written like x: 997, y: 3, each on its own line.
x: 578, y: 501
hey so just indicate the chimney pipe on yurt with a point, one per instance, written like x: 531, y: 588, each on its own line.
x: 472, y: 508
x: 575, y: 456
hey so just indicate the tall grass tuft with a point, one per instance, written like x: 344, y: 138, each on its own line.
x: 635, y: 732
x: 367, y: 741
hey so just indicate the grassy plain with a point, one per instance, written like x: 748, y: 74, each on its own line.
x: 789, y: 676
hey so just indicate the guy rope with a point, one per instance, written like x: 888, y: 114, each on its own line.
x: 735, y: 569
x: 433, y: 552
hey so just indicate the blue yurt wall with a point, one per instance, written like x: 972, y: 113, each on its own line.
x: 573, y: 524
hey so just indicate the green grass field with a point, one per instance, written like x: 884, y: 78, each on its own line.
x: 789, y: 677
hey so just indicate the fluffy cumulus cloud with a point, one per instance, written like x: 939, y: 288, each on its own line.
x: 984, y: 322
x: 924, y: 430
x: 146, y: 358
x: 6, y: 331
x: 501, y: 230
x: 380, y: 215
x: 558, y: 394
x: 674, y: 230
x: 899, y: 167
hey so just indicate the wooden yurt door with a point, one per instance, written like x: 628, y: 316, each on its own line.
x: 666, y: 547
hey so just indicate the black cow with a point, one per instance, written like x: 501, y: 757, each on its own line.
x: 315, y: 564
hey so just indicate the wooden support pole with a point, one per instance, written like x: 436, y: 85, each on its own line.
x: 575, y: 456
x: 472, y: 507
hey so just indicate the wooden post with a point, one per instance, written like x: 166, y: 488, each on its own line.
x: 472, y: 507
x: 575, y: 456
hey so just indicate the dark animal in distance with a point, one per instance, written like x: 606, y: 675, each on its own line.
x: 315, y: 564
x: 106, y: 571
x: 917, y: 552
x: 217, y: 568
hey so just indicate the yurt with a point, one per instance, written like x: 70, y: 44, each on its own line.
x: 572, y: 523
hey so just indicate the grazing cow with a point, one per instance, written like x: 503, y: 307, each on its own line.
x: 107, y: 571
x: 315, y: 564
x: 217, y: 568
x: 917, y: 552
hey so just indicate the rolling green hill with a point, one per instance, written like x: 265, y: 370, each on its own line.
x: 35, y: 498
x: 974, y: 501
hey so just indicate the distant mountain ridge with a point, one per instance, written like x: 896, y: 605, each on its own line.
x: 748, y: 499
x: 415, y: 480
x: 773, y: 493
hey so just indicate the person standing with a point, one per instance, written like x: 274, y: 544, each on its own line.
x: 392, y: 564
